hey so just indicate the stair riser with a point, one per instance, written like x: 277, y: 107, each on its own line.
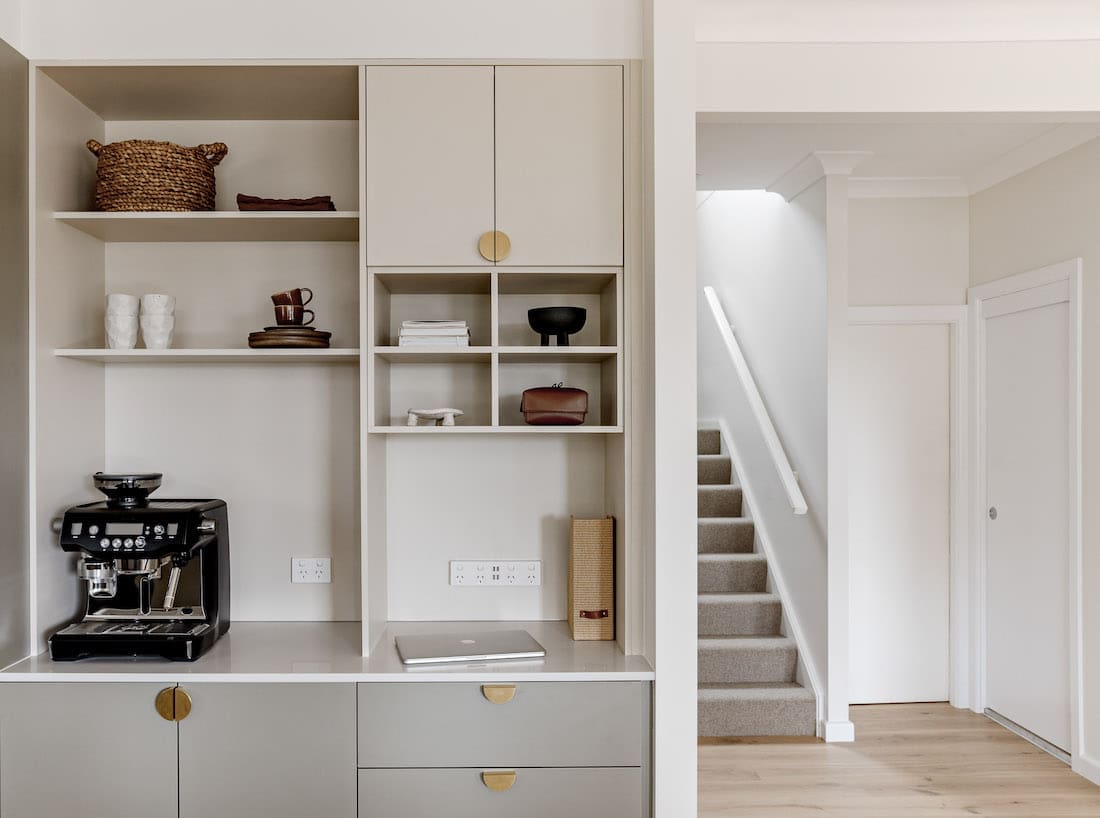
x: 736, y: 536
x: 710, y: 441
x: 748, y: 664
x: 757, y: 718
x: 733, y: 577
x: 715, y: 471
x: 719, y: 501
x: 739, y: 618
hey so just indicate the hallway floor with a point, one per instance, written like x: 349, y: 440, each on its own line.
x: 908, y: 761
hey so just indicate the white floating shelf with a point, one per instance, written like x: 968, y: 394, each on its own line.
x: 496, y: 430
x: 555, y: 354
x: 229, y: 225
x: 434, y: 355
x: 227, y: 356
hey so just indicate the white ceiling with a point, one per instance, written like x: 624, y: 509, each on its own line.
x: 936, y: 157
x: 790, y: 21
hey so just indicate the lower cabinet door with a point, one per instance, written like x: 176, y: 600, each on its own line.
x: 591, y: 792
x: 271, y: 750
x: 85, y: 749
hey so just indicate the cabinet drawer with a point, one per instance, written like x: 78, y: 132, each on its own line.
x: 541, y: 724
x: 559, y: 793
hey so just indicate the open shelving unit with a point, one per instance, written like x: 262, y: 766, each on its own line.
x: 487, y: 379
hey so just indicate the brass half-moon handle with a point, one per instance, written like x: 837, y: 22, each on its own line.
x: 173, y: 704
x: 499, y: 780
x: 499, y: 694
x: 494, y: 245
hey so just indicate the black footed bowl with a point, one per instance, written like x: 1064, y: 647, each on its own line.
x: 559, y: 321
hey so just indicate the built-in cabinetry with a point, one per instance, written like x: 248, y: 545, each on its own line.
x: 310, y: 448
x: 103, y: 749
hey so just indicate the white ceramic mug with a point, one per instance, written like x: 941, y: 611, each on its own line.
x: 122, y: 304
x: 157, y: 331
x: 157, y: 304
x: 122, y: 331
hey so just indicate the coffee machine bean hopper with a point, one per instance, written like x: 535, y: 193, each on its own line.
x: 156, y: 572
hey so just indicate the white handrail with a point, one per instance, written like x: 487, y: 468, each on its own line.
x: 756, y: 403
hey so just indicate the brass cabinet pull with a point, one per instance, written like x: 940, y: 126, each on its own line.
x: 499, y: 780
x: 494, y: 245
x: 499, y: 694
x: 173, y: 704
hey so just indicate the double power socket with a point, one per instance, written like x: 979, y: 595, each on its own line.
x: 517, y: 573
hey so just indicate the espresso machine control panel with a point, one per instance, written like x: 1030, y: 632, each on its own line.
x: 94, y: 533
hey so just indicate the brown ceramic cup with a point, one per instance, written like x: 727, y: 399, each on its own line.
x: 292, y: 298
x: 292, y: 315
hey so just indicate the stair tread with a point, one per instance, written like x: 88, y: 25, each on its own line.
x: 784, y: 691
x: 748, y: 598
x: 752, y: 556
x: 746, y: 642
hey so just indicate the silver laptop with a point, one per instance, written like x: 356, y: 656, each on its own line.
x: 427, y: 648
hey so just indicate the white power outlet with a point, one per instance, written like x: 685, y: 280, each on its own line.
x: 310, y: 569
x: 522, y: 573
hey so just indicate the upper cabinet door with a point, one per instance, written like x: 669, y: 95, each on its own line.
x: 559, y: 164
x: 429, y: 165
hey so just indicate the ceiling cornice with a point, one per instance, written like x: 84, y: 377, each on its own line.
x: 815, y: 166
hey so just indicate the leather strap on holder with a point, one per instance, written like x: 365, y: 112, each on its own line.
x: 595, y: 614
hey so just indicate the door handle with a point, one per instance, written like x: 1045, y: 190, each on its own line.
x: 500, y: 780
x: 993, y: 512
x: 173, y: 704
x: 498, y: 694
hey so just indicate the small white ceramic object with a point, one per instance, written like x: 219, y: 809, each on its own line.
x: 157, y: 331
x: 444, y: 416
x: 122, y: 331
x: 157, y: 304
x: 122, y: 304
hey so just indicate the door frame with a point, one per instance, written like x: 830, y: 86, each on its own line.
x: 956, y: 319
x: 1069, y: 273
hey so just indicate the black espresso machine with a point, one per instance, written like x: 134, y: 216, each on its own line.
x: 156, y: 572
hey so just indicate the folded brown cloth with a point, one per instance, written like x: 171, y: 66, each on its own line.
x: 245, y: 202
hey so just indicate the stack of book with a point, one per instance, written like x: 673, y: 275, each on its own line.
x: 434, y: 334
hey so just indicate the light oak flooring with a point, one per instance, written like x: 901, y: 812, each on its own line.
x: 908, y: 761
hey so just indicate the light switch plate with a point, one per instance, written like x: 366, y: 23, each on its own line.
x: 311, y: 569
x: 497, y: 572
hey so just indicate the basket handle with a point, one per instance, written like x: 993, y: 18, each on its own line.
x: 94, y: 146
x: 214, y: 152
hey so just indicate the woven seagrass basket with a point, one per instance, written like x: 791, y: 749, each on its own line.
x: 144, y: 175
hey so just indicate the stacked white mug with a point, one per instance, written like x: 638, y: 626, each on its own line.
x: 121, y: 322
x: 158, y: 320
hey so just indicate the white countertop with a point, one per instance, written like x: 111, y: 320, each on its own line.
x: 330, y: 652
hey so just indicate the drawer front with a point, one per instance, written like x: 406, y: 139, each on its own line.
x: 557, y: 793
x: 539, y: 724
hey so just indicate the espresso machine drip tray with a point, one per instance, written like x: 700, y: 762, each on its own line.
x: 136, y: 628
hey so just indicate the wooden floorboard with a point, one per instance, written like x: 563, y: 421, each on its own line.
x: 908, y: 761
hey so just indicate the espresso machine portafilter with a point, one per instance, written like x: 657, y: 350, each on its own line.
x: 156, y: 572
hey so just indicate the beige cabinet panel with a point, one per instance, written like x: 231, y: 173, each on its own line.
x: 617, y: 792
x: 559, y: 164
x: 429, y: 133
x: 88, y: 749
x: 276, y: 750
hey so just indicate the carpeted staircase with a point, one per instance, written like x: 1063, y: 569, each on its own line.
x: 747, y: 667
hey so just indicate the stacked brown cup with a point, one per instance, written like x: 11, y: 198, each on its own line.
x: 291, y: 323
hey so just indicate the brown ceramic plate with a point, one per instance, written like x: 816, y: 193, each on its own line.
x: 262, y: 340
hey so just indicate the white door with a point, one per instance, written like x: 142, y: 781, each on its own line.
x: 559, y: 163
x: 429, y: 133
x: 1027, y: 445
x: 900, y: 511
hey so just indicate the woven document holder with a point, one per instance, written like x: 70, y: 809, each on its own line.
x: 592, y: 579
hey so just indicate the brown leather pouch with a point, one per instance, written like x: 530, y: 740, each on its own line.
x: 554, y: 406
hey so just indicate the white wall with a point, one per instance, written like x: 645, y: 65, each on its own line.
x: 333, y: 29
x: 14, y: 500
x: 908, y: 251
x: 1040, y: 217
x: 765, y: 257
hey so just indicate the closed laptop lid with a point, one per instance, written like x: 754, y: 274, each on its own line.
x: 426, y: 648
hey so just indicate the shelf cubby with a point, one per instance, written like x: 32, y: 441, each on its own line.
x: 597, y: 378
x: 431, y: 383
x: 426, y: 296
x: 597, y: 292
